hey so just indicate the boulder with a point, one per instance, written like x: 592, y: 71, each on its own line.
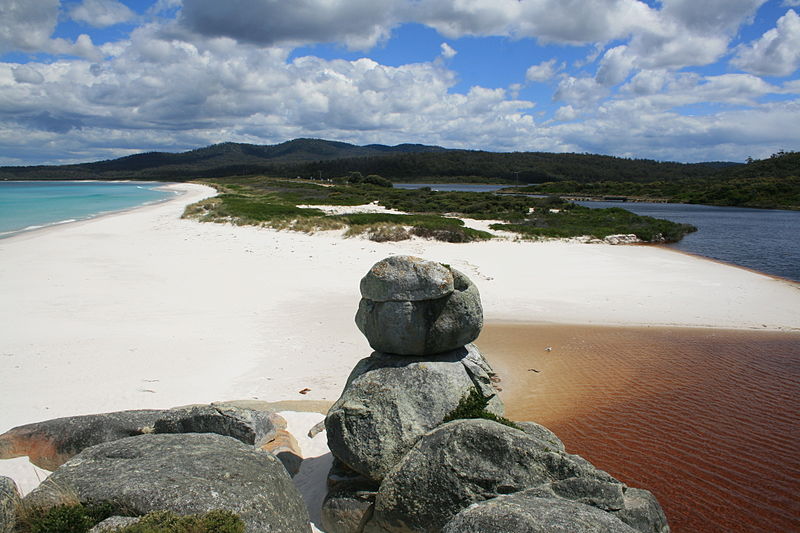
x: 349, y: 502
x: 389, y: 402
x: 525, y: 513
x: 51, y: 443
x: 540, y: 432
x: 406, y: 278
x: 185, y: 473
x: 114, y: 523
x: 468, y: 461
x: 642, y: 512
x: 415, y: 307
x: 9, y: 497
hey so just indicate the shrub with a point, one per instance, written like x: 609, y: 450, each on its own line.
x: 473, y: 405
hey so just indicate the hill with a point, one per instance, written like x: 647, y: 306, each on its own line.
x: 405, y: 162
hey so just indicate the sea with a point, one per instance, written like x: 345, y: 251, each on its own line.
x: 759, y: 239
x: 29, y: 205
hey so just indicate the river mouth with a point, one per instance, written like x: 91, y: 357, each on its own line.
x: 706, y: 419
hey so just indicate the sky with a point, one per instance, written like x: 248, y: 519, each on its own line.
x: 672, y: 80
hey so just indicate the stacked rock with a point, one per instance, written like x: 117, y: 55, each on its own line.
x: 398, y: 467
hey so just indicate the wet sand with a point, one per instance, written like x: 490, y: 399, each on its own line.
x: 707, y: 419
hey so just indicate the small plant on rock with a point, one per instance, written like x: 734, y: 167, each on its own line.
x: 473, y: 405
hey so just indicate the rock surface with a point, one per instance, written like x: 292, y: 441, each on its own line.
x: 350, y: 500
x: 415, y: 307
x: 51, y: 443
x: 468, y: 461
x: 9, y: 496
x: 524, y: 513
x: 285, y: 447
x: 390, y: 402
x: 184, y: 473
x: 114, y: 523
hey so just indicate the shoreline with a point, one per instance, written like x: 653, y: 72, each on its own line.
x: 164, y: 186
x: 142, y: 309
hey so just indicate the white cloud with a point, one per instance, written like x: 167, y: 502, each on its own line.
x: 791, y: 3
x: 580, y: 92
x: 27, y: 25
x: 615, y: 66
x: 101, y: 13
x: 543, y: 72
x: 563, y: 21
x: 448, y: 51
x: 776, y: 53
x: 27, y: 74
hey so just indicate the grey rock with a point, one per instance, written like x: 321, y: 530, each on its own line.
x: 605, y: 495
x: 114, y: 523
x: 389, y: 402
x: 184, y: 473
x: 525, y: 513
x: 349, y: 502
x: 404, y: 277
x: 51, y: 443
x: 9, y: 497
x: 540, y: 432
x: 246, y: 425
x: 468, y: 461
x: 438, y: 316
x: 642, y: 512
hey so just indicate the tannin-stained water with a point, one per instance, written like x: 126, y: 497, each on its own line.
x: 708, y: 420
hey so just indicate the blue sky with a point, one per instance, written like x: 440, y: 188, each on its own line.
x: 680, y: 80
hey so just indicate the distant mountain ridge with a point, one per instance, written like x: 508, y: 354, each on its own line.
x: 409, y: 162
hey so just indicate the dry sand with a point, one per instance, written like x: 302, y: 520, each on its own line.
x: 144, y: 310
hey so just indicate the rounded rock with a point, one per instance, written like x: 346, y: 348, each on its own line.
x: 415, y: 307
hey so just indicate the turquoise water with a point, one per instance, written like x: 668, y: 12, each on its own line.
x: 26, y: 205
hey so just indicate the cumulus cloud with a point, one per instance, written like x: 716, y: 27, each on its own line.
x: 543, y: 72
x: 615, y: 66
x: 26, y: 25
x: 27, y: 74
x: 101, y: 13
x: 776, y: 53
x: 360, y: 24
x: 448, y: 51
x: 563, y: 21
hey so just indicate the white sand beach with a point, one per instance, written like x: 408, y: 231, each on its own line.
x: 142, y: 309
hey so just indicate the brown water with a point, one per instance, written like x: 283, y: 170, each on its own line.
x: 708, y: 420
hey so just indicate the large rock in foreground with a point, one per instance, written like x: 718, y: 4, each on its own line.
x: 469, y: 461
x: 525, y: 513
x: 185, y: 473
x: 9, y: 497
x: 411, y: 306
x: 389, y: 402
x: 51, y: 443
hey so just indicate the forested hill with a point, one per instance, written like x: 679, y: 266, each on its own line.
x: 405, y: 162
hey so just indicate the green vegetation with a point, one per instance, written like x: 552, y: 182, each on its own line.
x: 78, y: 518
x: 772, y: 183
x: 64, y: 518
x: 275, y: 203
x: 473, y: 405
x: 598, y: 223
x: 217, y: 521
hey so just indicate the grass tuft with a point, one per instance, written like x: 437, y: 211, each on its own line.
x: 473, y: 405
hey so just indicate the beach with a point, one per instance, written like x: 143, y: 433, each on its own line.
x: 142, y: 309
